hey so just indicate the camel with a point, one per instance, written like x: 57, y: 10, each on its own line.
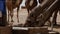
x: 31, y: 18
x: 42, y: 6
x: 12, y: 4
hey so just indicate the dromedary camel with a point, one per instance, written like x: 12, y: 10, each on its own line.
x: 12, y: 4
x: 48, y: 12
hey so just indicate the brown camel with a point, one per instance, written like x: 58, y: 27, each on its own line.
x: 39, y: 10
x: 31, y: 18
x: 30, y: 7
x: 12, y: 4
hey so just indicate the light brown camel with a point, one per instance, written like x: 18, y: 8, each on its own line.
x: 12, y: 4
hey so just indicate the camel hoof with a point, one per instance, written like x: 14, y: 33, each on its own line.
x: 18, y: 21
x: 54, y: 24
x: 12, y: 21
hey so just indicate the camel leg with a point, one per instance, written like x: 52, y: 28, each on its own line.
x: 18, y: 14
x: 28, y: 11
x: 55, y: 18
x: 11, y: 14
x: 8, y: 15
x: 49, y: 22
x: 59, y: 11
